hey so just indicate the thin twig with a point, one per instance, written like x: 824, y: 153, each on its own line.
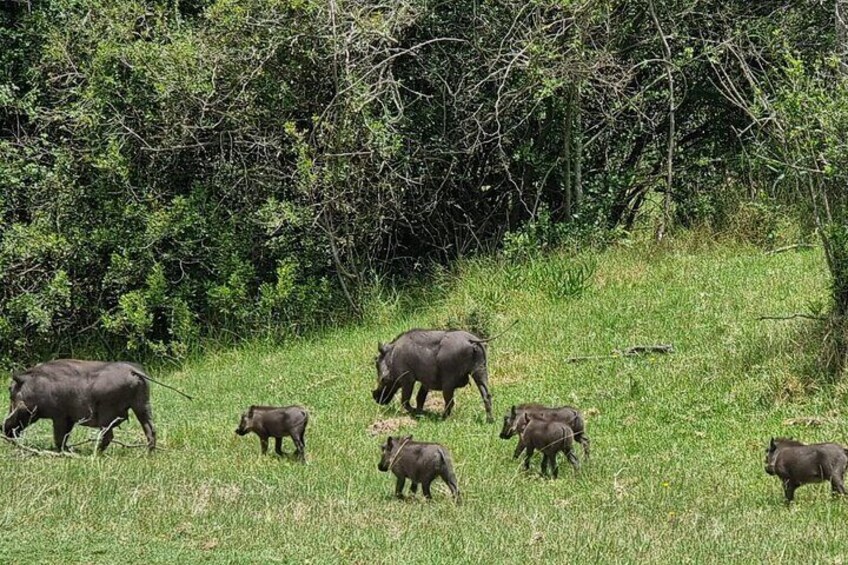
x: 663, y: 348
x: 793, y: 317
x: 34, y: 451
x: 790, y: 247
x: 321, y: 382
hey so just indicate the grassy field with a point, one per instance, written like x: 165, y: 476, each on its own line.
x: 678, y: 441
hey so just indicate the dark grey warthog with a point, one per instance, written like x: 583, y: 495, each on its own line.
x: 548, y: 437
x: 418, y: 461
x: 276, y: 422
x: 569, y: 416
x: 798, y: 464
x: 90, y: 393
x: 439, y: 360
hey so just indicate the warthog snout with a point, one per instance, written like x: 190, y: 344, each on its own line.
x: 384, y: 393
x: 508, y: 429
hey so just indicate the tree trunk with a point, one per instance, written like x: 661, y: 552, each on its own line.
x: 566, y: 154
x: 578, y: 152
x: 669, y: 180
x: 841, y: 13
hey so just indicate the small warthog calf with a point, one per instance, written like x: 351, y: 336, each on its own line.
x: 548, y: 437
x: 569, y: 416
x: 798, y: 464
x: 418, y: 461
x: 276, y: 422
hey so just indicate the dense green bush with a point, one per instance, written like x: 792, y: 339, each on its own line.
x: 170, y: 170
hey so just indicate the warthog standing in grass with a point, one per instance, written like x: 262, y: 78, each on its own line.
x: 418, y: 461
x: 90, y: 393
x: 798, y: 464
x: 439, y: 360
x: 548, y: 437
x: 565, y: 414
x: 276, y: 422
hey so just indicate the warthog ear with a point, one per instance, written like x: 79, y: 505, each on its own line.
x: 250, y: 412
x: 512, y: 410
x: 383, y: 348
x: 389, y: 441
x: 772, y: 445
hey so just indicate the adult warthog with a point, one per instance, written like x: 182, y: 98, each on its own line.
x: 439, y: 360
x: 90, y: 393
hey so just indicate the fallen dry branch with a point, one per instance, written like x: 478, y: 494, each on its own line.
x: 809, y: 421
x: 663, y: 349
x: 794, y: 316
x: 790, y: 247
x: 35, y: 451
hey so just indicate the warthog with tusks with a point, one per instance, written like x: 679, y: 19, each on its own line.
x: 419, y: 462
x: 439, y: 360
x: 89, y: 393
x: 798, y: 464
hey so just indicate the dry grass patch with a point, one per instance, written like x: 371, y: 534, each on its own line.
x: 390, y: 425
x: 435, y: 403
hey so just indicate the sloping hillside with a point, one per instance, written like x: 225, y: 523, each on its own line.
x: 678, y: 441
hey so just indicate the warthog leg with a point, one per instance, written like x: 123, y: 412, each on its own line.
x: 481, y: 377
x: 789, y: 490
x: 300, y: 447
x: 553, y: 464
x: 527, y: 458
x: 518, y: 448
x: 447, y: 393
x: 572, y: 458
x: 61, y: 432
x: 425, y: 487
x: 106, y: 436
x: 584, y: 441
x: 421, y: 398
x: 836, y: 485
x: 145, y: 418
x: 406, y: 394
x: 451, y: 482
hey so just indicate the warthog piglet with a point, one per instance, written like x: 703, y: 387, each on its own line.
x: 276, y: 422
x: 548, y: 437
x: 798, y: 464
x: 419, y: 462
x: 569, y: 416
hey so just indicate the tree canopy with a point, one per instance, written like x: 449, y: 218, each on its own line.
x: 169, y: 167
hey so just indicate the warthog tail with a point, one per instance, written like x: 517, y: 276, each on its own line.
x: 146, y: 377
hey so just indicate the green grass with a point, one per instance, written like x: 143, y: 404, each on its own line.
x: 677, y: 469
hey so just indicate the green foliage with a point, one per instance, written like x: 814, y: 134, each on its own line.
x: 173, y: 169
